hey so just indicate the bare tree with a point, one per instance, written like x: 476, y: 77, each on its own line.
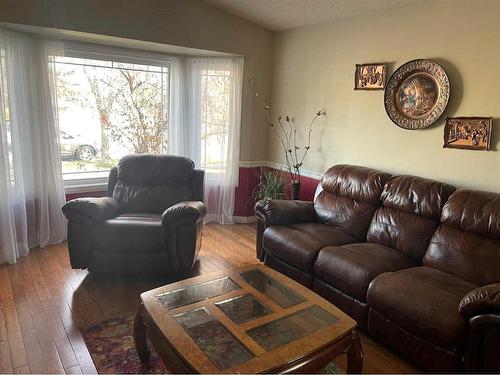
x: 130, y: 104
x: 104, y: 97
x: 139, y: 103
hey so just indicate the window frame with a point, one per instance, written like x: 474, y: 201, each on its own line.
x: 119, y: 55
x: 212, y: 177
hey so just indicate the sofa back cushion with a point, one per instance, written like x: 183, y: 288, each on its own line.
x: 467, y: 243
x: 348, y: 197
x: 409, y: 215
x: 152, y: 183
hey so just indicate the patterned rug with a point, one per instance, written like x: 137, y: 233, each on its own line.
x: 111, y: 345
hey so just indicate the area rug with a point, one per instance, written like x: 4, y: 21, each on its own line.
x: 111, y: 345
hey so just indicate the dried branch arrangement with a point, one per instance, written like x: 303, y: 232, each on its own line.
x: 286, y: 131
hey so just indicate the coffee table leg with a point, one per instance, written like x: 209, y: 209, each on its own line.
x: 140, y: 336
x: 355, y: 355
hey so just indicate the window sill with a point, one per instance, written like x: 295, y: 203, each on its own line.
x: 85, y: 185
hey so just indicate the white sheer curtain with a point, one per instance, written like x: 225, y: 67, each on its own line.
x: 31, y: 185
x: 205, y: 125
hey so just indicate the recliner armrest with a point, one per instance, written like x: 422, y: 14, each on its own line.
x: 191, y: 211
x: 482, y: 300
x: 93, y: 209
x: 285, y: 212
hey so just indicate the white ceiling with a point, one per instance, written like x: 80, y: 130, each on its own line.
x: 278, y: 15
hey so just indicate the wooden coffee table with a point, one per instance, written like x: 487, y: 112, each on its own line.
x: 247, y: 320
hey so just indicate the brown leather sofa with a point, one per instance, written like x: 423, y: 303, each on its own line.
x: 150, y: 223
x: 414, y: 261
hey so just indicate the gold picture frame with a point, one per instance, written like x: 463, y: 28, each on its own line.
x: 468, y: 133
x: 370, y: 76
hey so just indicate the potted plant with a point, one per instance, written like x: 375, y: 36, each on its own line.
x: 271, y: 184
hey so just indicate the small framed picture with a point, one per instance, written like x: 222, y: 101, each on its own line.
x: 470, y: 133
x: 370, y: 76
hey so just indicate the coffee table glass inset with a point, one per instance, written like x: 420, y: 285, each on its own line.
x: 244, y: 320
x: 283, y: 296
x: 220, y: 345
x: 291, y: 327
x: 243, y: 308
x: 196, y: 293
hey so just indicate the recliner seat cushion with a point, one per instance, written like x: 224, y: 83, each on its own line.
x: 351, y: 268
x: 149, y: 199
x: 409, y: 215
x: 348, y: 197
x: 423, y: 301
x: 152, y: 183
x: 407, y: 233
x: 154, y: 170
x: 129, y: 234
x: 299, y: 244
x: 465, y: 254
x: 467, y: 244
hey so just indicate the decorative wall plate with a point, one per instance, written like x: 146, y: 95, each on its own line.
x: 417, y: 94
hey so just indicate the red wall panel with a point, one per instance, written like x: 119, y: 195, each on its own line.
x: 244, y: 201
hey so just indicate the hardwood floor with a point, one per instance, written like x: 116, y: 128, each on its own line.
x: 44, y: 305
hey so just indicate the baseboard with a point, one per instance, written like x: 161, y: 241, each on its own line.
x: 212, y: 218
x: 245, y: 219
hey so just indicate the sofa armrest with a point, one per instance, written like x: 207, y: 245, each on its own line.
x: 91, y: 209
x: 285, y: 212
x: 185, y: 212
x: 482, y: 300
x: 482, y: 343
x: 183, y: 226
x: 280, y: 212
x: 82, y: 214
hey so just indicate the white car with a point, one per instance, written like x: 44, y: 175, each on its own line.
x: 75, y: 148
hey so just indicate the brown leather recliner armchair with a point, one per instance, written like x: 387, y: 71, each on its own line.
x: 150, y: 222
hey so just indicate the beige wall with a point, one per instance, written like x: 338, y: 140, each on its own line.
x: 314, y: 66
x: 188, y: 23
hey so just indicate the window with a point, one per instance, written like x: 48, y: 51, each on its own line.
x: 107, y: 109
x: 215, y: 95
x: 113, y: 102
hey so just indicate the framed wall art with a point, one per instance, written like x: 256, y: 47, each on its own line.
x: 369, y: 76
x: 470, y: 133
x: 417, y: 94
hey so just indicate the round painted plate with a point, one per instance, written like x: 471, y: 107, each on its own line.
x: 417, y: 94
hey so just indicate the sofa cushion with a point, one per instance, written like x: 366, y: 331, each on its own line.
x: 129, y: 234
x: 423, y: 301
x: 152, y: 183
x: 416, y: 195
x: 467, y: 244
x: 351, y: 268
x: 348, y: 197
x: 474, y: 211
x: 409, y: 215
x: 154, y: 170
x: 149, y: 199
x: 299, y: 244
